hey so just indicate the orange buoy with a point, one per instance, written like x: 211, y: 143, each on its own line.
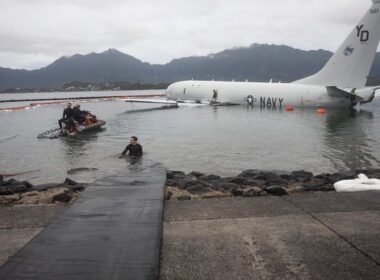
x: 289, y: 108
x: 321, y: 111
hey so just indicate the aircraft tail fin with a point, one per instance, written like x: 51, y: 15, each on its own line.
x: 350, y: 65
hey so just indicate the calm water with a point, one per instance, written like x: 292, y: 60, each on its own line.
x: 221, y: 140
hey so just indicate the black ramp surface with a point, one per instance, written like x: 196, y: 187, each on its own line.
x: 112, y: 232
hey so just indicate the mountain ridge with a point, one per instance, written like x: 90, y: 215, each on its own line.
x: 257, y: 62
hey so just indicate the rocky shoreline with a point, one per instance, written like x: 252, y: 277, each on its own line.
x: 195, y: 185
x: 22, y: 192
x: 254, y: 182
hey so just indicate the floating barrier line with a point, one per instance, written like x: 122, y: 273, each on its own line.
x: 65, y: 100
x: 79, y: 98
x: 15, y: 108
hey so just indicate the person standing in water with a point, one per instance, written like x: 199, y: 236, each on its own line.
x: 133, y: 148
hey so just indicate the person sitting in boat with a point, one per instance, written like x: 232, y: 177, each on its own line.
x: 66, y: 117
x: 83, y: 117
x: 78, y: 114
x: 134, y: 148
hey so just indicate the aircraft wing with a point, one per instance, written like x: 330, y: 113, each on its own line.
x: 179, y: 103
x: 156, y: 101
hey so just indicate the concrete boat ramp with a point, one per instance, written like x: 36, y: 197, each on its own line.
x: 114, y: 232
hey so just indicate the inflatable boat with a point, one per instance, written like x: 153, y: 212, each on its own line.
x: 80, y: 129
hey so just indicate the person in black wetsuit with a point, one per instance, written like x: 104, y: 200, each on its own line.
x: 134, y: 148
x: 83, y: 117
x: 79, y: 115
x: 66, y: 117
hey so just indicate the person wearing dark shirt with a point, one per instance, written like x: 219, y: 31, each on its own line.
x: 83, y: 117
x: 133, y: 149
x: 66, y: 117
x: 79, y: 115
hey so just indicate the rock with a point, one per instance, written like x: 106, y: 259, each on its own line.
x: 171, y: 182
x: 215, y: 194
x: 237, y: 192
x: 254, y: 191
x: 181, y: 183
x: 227, y: 187
x: 270, y: 177
x: 184, y: 197
x: 325, y: 177
x: 195, y: 175
x: 265, y: 175
x: 189, y: 183
x: 264, y: 193
x: 294, y: 188
x: 344, y: 175
x: 13, y: 186
x: 80, y: 169
x: 301, y: 175
x: 45, y: 187
x: 258, y: 183
x: 62, y: 197
x: 45, y: 197
x: 198, y: 189
x: 330, y: 179
x: 236, y: 180
x: 276, y: 190
x: 70, y: 185
x: 251, y: 173
x: 168, y: 195
x: 318, y: 187
x: 70, y: 182
x: 8, y: 199
x: 75, y: 188
x: 210, y: 177
x: 177, y: 192
x: 175, y: 174
x: 285, y: 176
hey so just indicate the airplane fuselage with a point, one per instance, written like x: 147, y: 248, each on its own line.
x: 340, y: 83
x: 267, y: 95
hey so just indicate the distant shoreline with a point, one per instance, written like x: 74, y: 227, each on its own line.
x: 89, y: 87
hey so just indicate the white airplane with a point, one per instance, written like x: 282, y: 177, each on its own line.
x: 340, y: 83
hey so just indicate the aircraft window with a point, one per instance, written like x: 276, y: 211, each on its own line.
x: 184, y: 91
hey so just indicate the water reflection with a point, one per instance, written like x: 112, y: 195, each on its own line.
x: 347, y: 140
x: 220, y: 140
x: 76, y: 147
x: 134, y: 161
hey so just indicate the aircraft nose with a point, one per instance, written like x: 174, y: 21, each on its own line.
x: 169, y: 91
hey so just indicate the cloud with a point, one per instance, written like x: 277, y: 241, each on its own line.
x: 34, y: 33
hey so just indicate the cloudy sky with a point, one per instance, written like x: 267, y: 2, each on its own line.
x: 34, y: 33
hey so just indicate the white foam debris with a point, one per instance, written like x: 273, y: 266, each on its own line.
x: 362, y: 183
